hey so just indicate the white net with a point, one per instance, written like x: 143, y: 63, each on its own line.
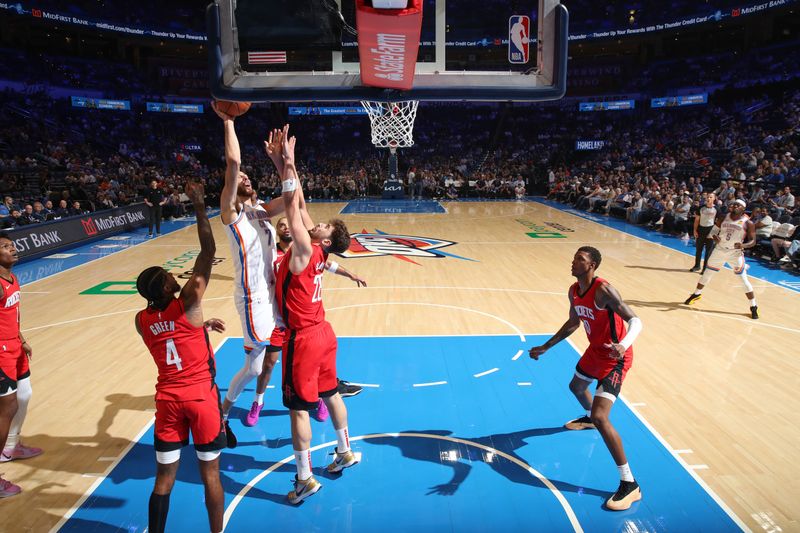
x: 392, y: 123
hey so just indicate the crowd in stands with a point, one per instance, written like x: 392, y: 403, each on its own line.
x: 57, y: 160
x: 659, y: 174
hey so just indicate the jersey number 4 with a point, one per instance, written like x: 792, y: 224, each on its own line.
x: 172, y: 355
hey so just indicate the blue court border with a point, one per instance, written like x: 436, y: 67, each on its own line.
x: 434, y: 433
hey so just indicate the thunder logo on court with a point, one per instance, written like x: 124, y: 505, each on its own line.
x: 402, y: 247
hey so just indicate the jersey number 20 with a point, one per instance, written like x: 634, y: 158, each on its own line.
x: 172, y: 355
x: 317, y: 296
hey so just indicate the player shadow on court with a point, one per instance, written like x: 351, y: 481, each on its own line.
x: 41, y: 507
x: 675, y: 306
x: 139, y: 463
x: 430, y: 450
x: 662, y: 269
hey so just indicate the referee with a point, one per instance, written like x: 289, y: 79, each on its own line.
x: 154, y: 199
x: 703, y: 222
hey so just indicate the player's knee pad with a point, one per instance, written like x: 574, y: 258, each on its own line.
x: 208, y: 456
x: 167, y: 458
x: 24, y: 391
x: 748, y: 287
x: 254, y: 362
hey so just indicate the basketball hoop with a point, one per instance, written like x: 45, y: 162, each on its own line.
x: 392, y: 123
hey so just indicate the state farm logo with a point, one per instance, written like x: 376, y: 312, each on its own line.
x: 89, y: 226
x: 402, y: 247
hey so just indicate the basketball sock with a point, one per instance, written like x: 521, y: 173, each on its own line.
x: 588, y: 413
x: 752, y: 302
x: 698, y: 291
x: 303, y: 459
x: 24, y: 393
x: 158, y: 509
x: 625, y: 473
x: 260, y: 398
x: 342, y: 440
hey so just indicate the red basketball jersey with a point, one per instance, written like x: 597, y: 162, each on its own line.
x: 182, y: 353
x: 603, y: 326
x: 9, y: 308
x: 300, y: 295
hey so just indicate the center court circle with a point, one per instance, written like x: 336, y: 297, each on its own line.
x: 423, y: 479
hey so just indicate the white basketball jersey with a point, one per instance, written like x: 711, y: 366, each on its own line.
x: 252, y: 240
x: 732, y: 231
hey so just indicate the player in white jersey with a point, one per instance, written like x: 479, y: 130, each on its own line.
x: 252, y: 241
x: 733, y: 235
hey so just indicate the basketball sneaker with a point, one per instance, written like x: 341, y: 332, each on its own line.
x: 347, y: 389
x: 19, y: 452
x: 322, y: 411
x: 230, y: 438
x: 303, y: 489
x: 252, y: 415
x: 754, y: 312
x: 583, y: 422
x: 627, y: 493
x: 8, y: 489
x: 343, y: 460
x: 692, y: 299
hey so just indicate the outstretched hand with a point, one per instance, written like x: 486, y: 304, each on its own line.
x: 287, y: 146
x: 274, y: 146
x: 220, y: 114
x: 195, y: 191
x: 215, y: 324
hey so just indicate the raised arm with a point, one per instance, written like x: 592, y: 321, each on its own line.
x: 567, y: 329
x: 607, y: 297
x: 233, y: 161
x: 335, y: 268
x: 292, y: 192
x: 192, y: 292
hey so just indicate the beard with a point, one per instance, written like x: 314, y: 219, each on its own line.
x: 285, y: 239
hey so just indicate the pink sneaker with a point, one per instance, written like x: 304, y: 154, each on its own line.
x: 19, y: 452
x: 322, y: 411
x: 8, y: 489
x: 252, y: 416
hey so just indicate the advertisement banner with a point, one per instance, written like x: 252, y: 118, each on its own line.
x: 589, y: 145
x: 388, y: 42
x: 162, y: 107
x: 327, y: 110
x: 679, y: 101
x: 100, y: 103
x: 618, y: 105
x: 37, y: 239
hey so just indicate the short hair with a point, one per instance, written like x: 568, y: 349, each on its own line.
x: 5, y: 235
x: 150, y: 283
x: 594, y: 255
x: 340, y: 237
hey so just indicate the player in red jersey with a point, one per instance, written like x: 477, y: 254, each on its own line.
x: 598, y: 305
x: 187, y: 398
x: 345, y: 389
x: 15, y: 374
x: 309, y: 346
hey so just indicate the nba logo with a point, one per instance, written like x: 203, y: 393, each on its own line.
x: 519, y: 39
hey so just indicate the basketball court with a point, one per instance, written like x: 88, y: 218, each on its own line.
x: 458, y: 427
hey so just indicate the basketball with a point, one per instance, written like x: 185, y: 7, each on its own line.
x: 234, y: 109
